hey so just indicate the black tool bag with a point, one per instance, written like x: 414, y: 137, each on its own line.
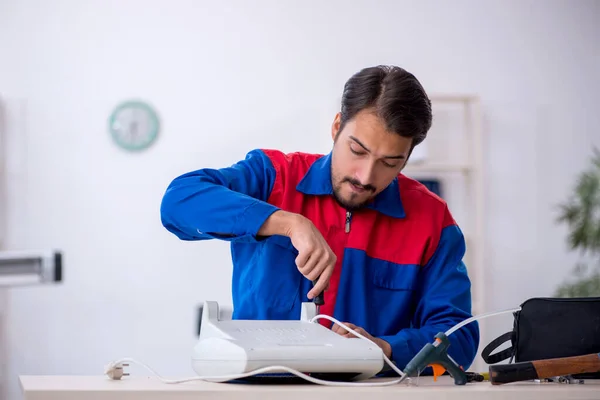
x: 550, y: 328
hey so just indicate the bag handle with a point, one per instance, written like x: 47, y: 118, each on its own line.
x: 493, y: 345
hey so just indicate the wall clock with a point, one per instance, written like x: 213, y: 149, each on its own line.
x: 134, y: 125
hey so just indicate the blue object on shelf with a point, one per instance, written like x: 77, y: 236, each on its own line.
x: 433, y: 184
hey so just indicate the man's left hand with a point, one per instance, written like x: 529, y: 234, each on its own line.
x: 385, y: 346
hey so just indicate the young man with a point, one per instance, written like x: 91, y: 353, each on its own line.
x: 386, y: 250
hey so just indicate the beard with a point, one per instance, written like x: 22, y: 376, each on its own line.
x: 352, y: 203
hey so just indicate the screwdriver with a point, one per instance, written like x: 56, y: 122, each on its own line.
x: 319, y: 299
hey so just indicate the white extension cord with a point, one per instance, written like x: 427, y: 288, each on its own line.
x: 115, y: 371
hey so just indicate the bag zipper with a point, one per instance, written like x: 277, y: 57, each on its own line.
x: 561, y: 299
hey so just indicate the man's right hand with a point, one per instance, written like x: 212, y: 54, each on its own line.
x: 315, y: 258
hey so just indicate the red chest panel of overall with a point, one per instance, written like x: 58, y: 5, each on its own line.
x: 410, y: 240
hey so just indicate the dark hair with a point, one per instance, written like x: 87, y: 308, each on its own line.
x: 395, y: 95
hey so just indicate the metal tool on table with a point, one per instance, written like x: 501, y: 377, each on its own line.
x: 435, y: 355
x: 477, y: 377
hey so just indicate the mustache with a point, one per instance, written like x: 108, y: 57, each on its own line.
x: 358, y: 184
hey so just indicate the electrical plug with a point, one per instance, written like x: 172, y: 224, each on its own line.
x: 115, y: 370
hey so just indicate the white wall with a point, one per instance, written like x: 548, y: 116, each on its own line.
x: 230, y: 76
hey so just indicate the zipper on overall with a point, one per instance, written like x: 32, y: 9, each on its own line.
x: 348, y: 220
x: 340, y: 261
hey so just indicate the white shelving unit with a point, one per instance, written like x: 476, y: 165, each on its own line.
x: 454, y: 157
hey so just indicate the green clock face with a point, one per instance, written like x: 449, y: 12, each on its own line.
x: 134, y: 125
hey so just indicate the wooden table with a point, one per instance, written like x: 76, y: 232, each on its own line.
x: 150, y: 388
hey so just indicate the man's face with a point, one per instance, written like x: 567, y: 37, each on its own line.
x: 365, y: 159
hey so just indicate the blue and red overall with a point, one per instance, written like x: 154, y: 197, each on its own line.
x: 399, y: 272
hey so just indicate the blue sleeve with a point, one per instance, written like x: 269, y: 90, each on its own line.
x: 443, y: 299
x: 228, y: 203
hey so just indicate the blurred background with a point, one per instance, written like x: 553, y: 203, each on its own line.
x: 515, y: 87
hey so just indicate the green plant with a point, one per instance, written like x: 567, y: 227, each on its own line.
x: 581, y: 213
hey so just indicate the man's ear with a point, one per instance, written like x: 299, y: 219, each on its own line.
x: 335, y: 126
